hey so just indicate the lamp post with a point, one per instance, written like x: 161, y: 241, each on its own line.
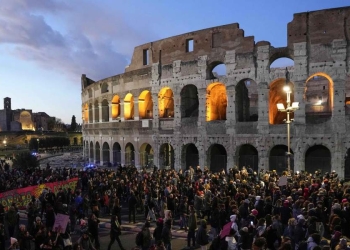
x: 38, y: 140
x: 291, y: 107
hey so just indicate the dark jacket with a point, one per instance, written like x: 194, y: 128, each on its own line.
x: 157, y: 233
x: 202, y: 236
x: 166, y: 234
x: 115, y: 229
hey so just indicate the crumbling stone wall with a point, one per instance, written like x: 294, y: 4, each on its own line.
x: 318, y: 42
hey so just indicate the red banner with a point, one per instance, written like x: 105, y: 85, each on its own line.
x: 22, y: 196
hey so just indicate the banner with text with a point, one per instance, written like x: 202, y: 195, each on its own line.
x: 22, y: 196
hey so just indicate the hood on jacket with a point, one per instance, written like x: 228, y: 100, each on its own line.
x: 233, y: 218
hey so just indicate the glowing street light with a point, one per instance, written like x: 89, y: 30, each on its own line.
x: 5, y: 142
x: 291, y: 107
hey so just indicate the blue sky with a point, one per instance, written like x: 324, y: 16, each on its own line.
x: 45, y: 45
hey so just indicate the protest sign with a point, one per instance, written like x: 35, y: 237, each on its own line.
x: 61, y: 222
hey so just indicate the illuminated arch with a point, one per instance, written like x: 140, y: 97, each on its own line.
x: 145, y: 105
x: 216, y: 102
x: 25, y: 118
x: 278, y: 95
x: 129, y: 107
x: 115, y: 107
x: 189, y: 101
x: 166, y: 103
x: 105, y: 111
x: 146, y: 155
x: 318, y: 96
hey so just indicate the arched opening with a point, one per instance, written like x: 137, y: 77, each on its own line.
x: 347, y: 166
x: 166, y: 156
x: 129, y: 107
x: 90, y: 93
x: 91, y: 154
x: 278, y: 159
x: 81, y: 140
x: 190, y: 156
x: 116, y: 107
x: 248, y: 157
x: 117, y: 157
x: 105, y: 154
x: 146, y: 155
x: 97, y: 153
x: 278, y: 95
x: 318, y: 158
x: 217, y: 158
x: 318, y: 98
x: 281, y: 62
x: 246, y: 101
x: 91, y: 113
x: 104, y: 88
x: 216, y: 102
x: 25, y: 118
x: 105, y: 111
x: 129, y: 154
x: 189, y: 101
x: 86, y: 151
x: 97, y: 112
x: 166, y: 103
x: 75, y: 141
x: 85, y: 113
x: 215, y: 70
x: 145, y: 105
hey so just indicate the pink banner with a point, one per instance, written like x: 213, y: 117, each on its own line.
x: 22, y: 196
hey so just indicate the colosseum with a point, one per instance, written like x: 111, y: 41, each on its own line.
x: 171, y: 109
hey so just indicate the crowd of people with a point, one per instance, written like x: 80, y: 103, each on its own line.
x: 237, y: 209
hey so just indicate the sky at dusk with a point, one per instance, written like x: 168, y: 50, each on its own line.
x: 46, y: 45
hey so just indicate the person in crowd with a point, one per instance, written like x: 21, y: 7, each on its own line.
x: 147, y: 236
x: 202, y: 237
x: 157, y: 233
x: 93, y: 230
x: 115, y: 233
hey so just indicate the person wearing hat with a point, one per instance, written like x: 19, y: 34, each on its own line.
x: 115, y: 232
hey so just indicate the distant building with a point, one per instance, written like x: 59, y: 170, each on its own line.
x: 22, y: 119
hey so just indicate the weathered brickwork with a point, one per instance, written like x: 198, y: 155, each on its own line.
x: 170, y: 108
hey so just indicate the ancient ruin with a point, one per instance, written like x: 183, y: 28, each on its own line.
x: 171, y: 109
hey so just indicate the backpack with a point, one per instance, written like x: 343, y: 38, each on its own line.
x: 139, y: 238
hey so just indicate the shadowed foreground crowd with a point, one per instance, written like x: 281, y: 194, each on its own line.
x: 240, y: 209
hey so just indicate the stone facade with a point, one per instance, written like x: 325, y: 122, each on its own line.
x: 170, y: 109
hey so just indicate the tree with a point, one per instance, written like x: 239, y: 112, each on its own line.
x: 73, y: 124
x: 25, y: 161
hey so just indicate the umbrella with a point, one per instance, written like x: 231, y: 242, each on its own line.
x: 226, y: 230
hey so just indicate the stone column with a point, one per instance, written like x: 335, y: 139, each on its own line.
x: 177, y: 152
x: 231, y: 108
x: 111, y: 151
x: 93, y: 113
x: 91, y: 157
x: 202, y: 116
x: 155, y: 119
x: 136, y: 109
x: 299, y: 89
x: 110, y: 107
x: 338, y: 111
x: 122, y: 118
x: 263, y: 109
x: 177, y: 108
x: 100, y: 112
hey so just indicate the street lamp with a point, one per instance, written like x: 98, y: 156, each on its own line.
x: 291, y: 107
x: 38, y: 140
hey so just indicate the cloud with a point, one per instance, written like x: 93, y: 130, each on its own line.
x: 70, y: 37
